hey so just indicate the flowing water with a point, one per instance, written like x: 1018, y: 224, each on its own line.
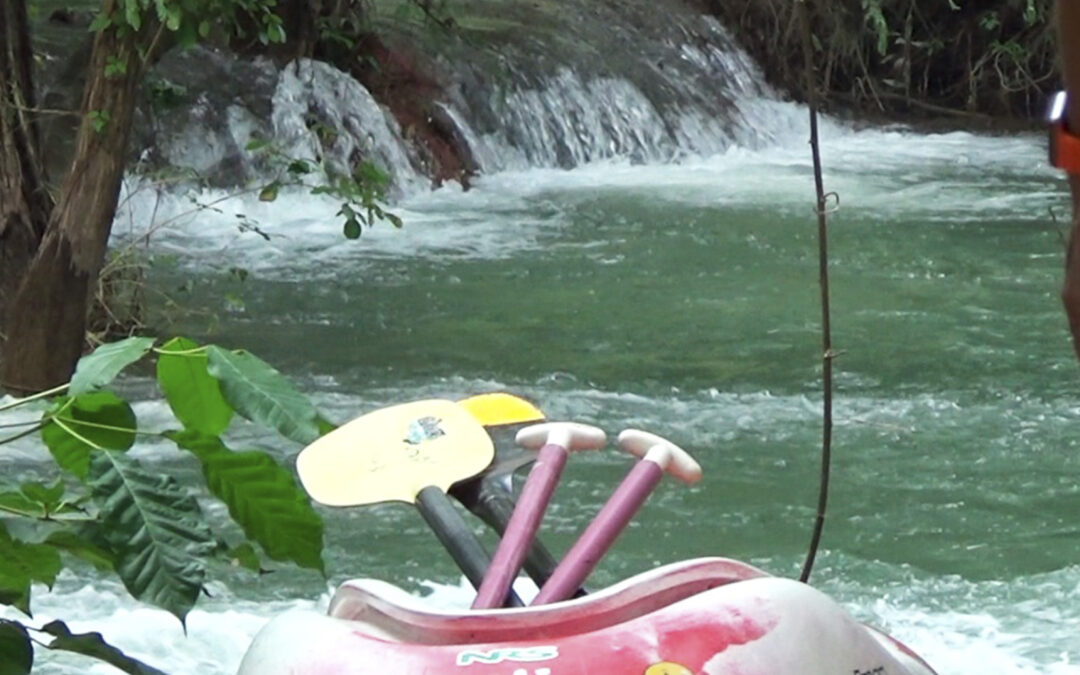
x: 680, y: 298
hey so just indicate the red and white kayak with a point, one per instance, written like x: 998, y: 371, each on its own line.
x: 710, y: 615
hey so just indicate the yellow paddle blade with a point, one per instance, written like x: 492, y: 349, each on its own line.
x: 499, y: 408
x: 393, y: 453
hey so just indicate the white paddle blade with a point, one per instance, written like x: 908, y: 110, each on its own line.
x: 393, y: 453
x: 570, y: 436
x: 670, y: 457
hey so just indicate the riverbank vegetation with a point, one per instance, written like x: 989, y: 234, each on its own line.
x: 977, y: 60
x: 98, y: 505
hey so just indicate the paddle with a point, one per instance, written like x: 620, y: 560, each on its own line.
x: 489, y: 495
x: 556, y: 441
x: 658, y: 456
x: 410, y: 453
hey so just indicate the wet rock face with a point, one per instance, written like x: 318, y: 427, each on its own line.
x: 501, y: 84
x: 203, y: 109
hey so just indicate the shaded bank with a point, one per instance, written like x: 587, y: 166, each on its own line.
x: 979, y: 61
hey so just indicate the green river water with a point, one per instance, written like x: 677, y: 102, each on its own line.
x: 683, y: 299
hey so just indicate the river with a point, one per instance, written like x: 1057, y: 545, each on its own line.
x: 681, y: 298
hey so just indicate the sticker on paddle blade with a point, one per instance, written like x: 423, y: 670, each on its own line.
x: 424, y: 429
x: 667, y: 668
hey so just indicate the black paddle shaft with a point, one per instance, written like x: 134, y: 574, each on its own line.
x: 494, y: 505
x: 454, y: 533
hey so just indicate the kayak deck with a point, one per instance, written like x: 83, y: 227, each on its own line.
x: 389, y: 613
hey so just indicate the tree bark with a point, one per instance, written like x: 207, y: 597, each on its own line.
x: 46, y: 319
x: 25, y: 203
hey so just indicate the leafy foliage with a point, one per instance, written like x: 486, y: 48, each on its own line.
x: 362, y: 193
x: 16, y: 651
x: 263, y: 395
x: 262, y: 497
x: 21, y: 564
x: 192, y: 20
x: 192, y: 393
x: 106, y: 362
x: 92, y: 644
x: 138, y: 522
x: 154, y: 530
x: 967, y: 58
x: 76, y: 427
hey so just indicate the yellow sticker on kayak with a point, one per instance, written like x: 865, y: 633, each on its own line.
x: 667, y: 668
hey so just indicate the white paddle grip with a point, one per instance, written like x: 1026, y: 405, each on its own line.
x: 670, y: 457
x: 569, y: 435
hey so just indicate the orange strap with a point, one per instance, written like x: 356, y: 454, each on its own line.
x: 1064, y: 148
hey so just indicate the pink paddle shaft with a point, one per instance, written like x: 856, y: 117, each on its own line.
x: 522, y: 526
x: 598, y: 537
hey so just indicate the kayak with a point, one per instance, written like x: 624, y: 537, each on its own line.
x: 709, y: 615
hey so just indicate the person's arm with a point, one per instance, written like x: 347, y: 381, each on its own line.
x: 1068, y: 20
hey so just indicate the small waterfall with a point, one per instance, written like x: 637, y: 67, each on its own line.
x: 323, y: 114
x: 682, y: 94
x: 645, y: 82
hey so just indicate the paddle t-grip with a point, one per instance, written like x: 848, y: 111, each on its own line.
x: 457, y: 538
x: 670, y: 457
x: 555, y: 440
x: 658, y: 456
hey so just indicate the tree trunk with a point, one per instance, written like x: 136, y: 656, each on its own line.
x: 46, y: 319
x: 25, y: 203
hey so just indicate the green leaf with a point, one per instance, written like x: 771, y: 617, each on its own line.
x: 74, y: 428
x: 245, y: 556
x: 262, y: 497
x: 155, y: 530
x: 49, y: 497
x: 325, y: 425
x: 299, y: 167
x: 100, y: 22
x: 352, y: 229
x: 93, y: 645
x: 16, y: 650
x: 133, y: 16
x: 20, y: 565
x: 82, y: 546
x: 192, y: 393
x: 101, y: 366
x: 188, y: 35
x: 262, y: 394
x: 99, y: 119
x: 19, y: 504
x: 256, y: 144
x: 174, y: 15
x: 270, y: 192
x: 115, y: 66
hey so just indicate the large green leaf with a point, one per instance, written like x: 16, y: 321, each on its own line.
x: 263, y: 395
x: 262, y: 497
x: 102, y: 365
x: 83, y: 542
x: 155, y: 530
x: 19, y: 504
x: 16, y: 650
x: 192, y: 393
x: 21, y: 564
x: 92, y: 644
x: 74, y: 428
